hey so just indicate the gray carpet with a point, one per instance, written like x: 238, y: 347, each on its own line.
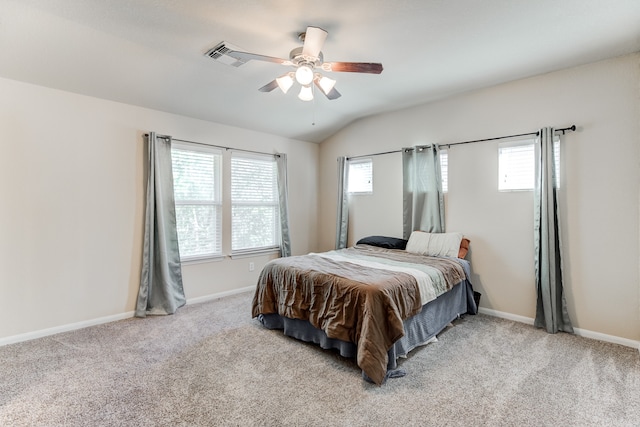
x: 211, y: 364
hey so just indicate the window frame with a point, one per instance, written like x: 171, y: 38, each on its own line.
x: 529, y: 145
x: 534, y: 144
x: 217, y: 202
x: 355, y: 162
x: 275, y: 204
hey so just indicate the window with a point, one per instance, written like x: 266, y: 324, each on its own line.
x: 255, y: 214
x: 556, y: 159
x: 361, y: 176
x: 516, y: 165
x: 444, y: 170
x: 197, y: 189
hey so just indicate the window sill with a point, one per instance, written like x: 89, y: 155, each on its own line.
x: 201, y: 260
x: 254, y: 252
x: 515, y: 190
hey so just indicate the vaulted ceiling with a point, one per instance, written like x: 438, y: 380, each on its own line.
x: 151, y: 52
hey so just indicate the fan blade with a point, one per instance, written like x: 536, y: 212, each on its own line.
x: 269, y: 86
x: 332, y: 94
x: 246, y: 56
x: 313, y: 41
x: 353, y: 67
x: 284, y: 82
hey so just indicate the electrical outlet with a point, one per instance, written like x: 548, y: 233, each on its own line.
x: 252, y: 266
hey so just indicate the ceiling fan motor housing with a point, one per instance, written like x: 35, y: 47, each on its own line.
x: 298, y: 58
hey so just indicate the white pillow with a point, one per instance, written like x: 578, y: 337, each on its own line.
x: 418, y: 242
x: 434, y: 244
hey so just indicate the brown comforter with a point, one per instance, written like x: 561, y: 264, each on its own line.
x: 362, y: 305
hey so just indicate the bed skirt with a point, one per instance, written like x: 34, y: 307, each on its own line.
x: 419, y: 329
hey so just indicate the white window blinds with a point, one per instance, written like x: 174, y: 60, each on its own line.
x: 444, y: 170
x: 254, y: 203
x: 197, y: 189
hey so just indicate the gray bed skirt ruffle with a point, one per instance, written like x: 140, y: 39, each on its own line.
x: 419, y: 329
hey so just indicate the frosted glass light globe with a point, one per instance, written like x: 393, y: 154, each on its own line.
x: 304, y: 75
x: 306, y: 94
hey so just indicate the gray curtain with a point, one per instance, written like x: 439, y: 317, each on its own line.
x: 551, y: 309
x: 422, y: 198
x: 283, y: 200
x: 161, y: 290
x: 342, y: 219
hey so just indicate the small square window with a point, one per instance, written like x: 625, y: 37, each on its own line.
x: 516, y: 165
x: 361, y: 176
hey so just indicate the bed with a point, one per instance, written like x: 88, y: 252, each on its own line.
x: 375, y: 301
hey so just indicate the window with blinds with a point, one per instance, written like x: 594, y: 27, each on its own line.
x: 360, y: 176
x: 444, y: 170
x: 516, y: 165
x: 197, y: 188
x: 255, y: 217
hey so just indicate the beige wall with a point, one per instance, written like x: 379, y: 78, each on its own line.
x: 600, y: 187
x: 72, y: 190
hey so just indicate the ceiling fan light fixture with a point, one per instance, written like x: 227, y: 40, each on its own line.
x: 285, y: 82
x: 305, y: 60
x: 306, y: 94
x: 325, y: 83
x: 304, y: 75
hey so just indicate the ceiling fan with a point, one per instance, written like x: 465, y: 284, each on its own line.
x: 307, y: 61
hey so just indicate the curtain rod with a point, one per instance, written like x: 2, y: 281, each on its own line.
x: 213, y: 145
x: 563, y: 130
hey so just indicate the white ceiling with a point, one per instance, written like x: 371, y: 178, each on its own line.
x: 151, y: 52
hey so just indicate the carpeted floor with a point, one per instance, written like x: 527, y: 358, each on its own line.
x: 211, y: 364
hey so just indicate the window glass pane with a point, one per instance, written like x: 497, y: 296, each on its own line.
x: 254, y: 180
x: 254, y: 227
x: 444, y: 169
x: 361, y: 176
x: 516, y: 167
x: 194, y: 175
x: 198, y: 229
x: 556, y: 159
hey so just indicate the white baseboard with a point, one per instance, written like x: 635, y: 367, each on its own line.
x: 107, y: 319
x: 580, y: 332
x: 220, y: 295
x: 503, y: 315
x: 64, y: 328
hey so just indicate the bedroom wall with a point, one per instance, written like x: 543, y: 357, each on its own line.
x: 72, y: 186
x: 600, y: 187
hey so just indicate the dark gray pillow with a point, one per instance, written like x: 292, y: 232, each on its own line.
x: 383, y: 242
